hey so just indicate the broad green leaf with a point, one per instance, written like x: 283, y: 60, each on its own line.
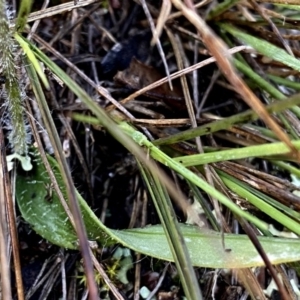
x: 206, y: 247
x: 43, y: 211
x: 264, y: 47
x: 41, y: 207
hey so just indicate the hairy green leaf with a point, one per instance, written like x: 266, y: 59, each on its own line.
x: 41, y: 208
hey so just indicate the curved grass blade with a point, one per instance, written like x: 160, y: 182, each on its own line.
x: 31, y: 57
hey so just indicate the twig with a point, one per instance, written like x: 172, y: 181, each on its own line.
x: 52, y: 11
x: 158, y: 43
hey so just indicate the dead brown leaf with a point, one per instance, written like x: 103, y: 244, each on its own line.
x: 139, y: 75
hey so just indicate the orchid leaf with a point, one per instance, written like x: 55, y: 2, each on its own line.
x: 41, y: 208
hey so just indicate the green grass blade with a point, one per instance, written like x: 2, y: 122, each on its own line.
x: 264, y: 150
x: 268, y: 209
x: 285, y: 82
x: 286, y: 166
x: 31, y: 57
x: 263, y: 47
x: 220, y: 8
x: 264, y: 84
x: 173, y: 233
x: 24, y: 11
x: 261, y: 82
x: 226, y: 123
